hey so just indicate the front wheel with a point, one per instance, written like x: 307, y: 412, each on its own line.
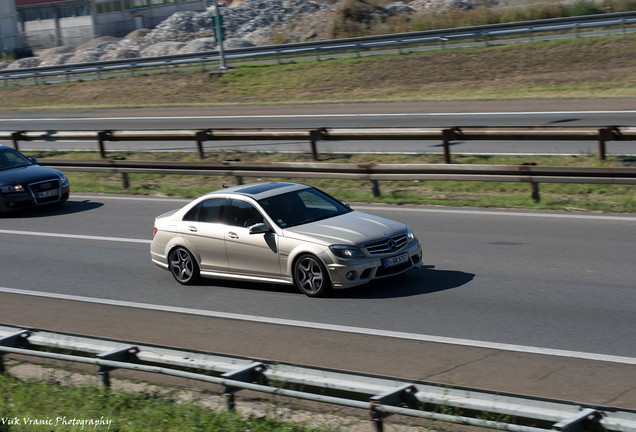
x: 183, y: 266
x: 311, y: 277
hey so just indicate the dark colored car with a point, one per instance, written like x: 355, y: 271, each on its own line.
x: 24, y: 183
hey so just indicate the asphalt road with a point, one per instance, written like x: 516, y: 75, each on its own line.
x: 511, y: 113
x: 548, y: 280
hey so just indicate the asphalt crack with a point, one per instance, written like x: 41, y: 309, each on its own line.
x: 461, y: 365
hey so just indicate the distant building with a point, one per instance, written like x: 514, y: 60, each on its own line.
x: 49, y: 23
x: 9, y: 36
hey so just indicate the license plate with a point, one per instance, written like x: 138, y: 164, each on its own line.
x: 47, y: 193
x: 396, y: 260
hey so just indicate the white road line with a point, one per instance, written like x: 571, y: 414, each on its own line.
x: 524, y: 113
x: 331, y: 327
x: 500, y: 213
x: 75, y: 236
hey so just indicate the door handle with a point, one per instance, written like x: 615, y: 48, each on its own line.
x: 232, y: 235
x: 192, y: 228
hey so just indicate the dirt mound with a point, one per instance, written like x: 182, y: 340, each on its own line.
x: 96, y: 41
x: 137, y: 33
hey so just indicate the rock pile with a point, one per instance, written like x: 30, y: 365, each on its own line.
x: 250, y: 23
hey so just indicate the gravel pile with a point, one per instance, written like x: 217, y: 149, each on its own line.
x: 251, y: 23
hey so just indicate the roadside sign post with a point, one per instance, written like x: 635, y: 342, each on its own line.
x: 219, y: 34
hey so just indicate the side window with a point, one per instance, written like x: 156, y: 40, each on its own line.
x: 193, y: 214
x: 244, y: 214
x: 212, y: 210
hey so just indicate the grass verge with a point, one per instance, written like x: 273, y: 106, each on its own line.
x: 53, y: 406
x: 571, y: 197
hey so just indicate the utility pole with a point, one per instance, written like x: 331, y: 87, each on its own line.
x: 219, y: 34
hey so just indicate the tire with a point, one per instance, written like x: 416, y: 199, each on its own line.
x: 311, y: 277
x: 183, y: 266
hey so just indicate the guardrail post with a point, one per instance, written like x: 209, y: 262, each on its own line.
x: 278, y: 56
x: 396, y: 397
x: 447, y: 136
x: 586, y: 419
x: 486, y: 39
x: 201, y: 136
x: 358, y: 50
x: 101, y: 137
x: 604, y: 134
x: 16, y: 340
x: 443, y: 42
x: 623, y: 26
x: 576, y: 28
x: 127, y: 355
x: 535, y: 191
x: 376, y: 188
x: 250, y: 374
x: 15, y: 137
x: 530, y: 35
x: 399, y: 46
x: 314, y: 136
x: 318, y: 53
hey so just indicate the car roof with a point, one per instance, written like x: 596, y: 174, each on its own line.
x: 259, y: 191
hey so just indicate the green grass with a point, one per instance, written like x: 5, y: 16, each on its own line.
x: 558, y: 196
x: 126, y: 411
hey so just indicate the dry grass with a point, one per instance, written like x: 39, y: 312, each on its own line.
x: 601, y: 67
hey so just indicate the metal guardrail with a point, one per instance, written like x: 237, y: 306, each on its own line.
x: 365, y: 172
x: 369, y: 172
x: 484, y: 32
x: 602, y: 134
x: 380, y: 395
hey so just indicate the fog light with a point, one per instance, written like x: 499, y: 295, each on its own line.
x: 352, y: 275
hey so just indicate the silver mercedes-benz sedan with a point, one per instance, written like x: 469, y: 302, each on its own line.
x: 280, y: 232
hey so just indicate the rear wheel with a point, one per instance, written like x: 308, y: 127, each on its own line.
x: 311, y: 277
x: 183, y: 266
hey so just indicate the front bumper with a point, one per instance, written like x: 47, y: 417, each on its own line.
x: 364, y: 270
x: 25, y: 200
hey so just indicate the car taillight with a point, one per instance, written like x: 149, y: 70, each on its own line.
x: 154, y: 233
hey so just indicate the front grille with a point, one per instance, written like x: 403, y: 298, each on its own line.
x: 43, y: 187
x: 384, y: 246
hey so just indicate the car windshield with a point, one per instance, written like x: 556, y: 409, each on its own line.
x: 301, y: 207
x: 10, y: 158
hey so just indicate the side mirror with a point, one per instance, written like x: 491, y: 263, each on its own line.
x: 259, y: 228
x: 347, y: 205
x: 34, y: 160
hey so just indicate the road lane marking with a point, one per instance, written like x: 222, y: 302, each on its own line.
x: 501, y: 213
x: 217, y: 117
x: 75, y: 236
x: 331, y: 327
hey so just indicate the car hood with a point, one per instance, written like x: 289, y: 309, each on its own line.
x: 27, y: 174
x: 354, y: 228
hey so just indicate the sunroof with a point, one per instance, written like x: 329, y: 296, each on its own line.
x: 256, y: 189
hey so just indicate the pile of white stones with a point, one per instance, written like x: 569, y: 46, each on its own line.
x: 187, y: 32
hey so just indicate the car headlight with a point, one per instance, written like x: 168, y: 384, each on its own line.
x: 344, y: 251
x: 409, y: 234
x: 11, y: 188
x: 63, y: 179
